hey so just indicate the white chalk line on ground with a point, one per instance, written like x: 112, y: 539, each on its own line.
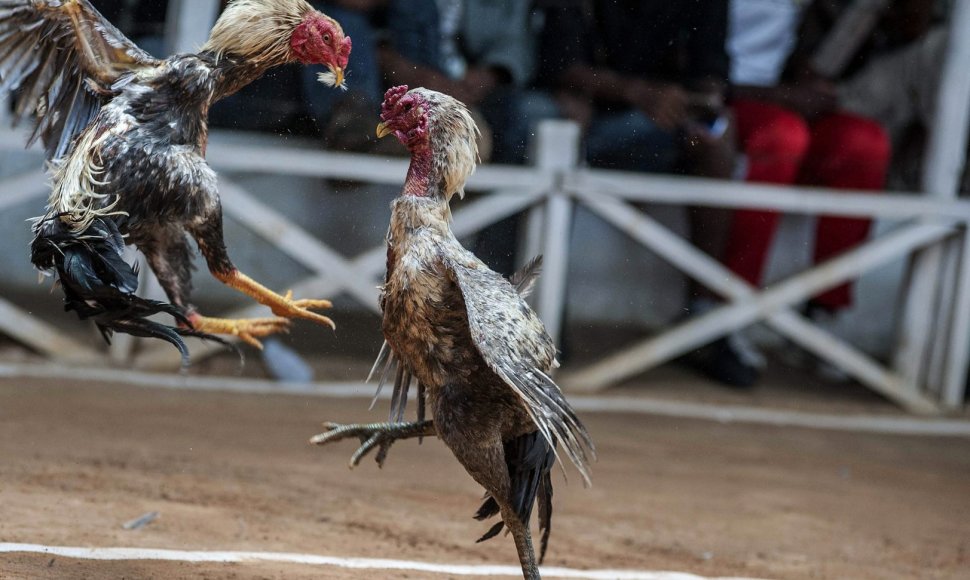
x: 893, y: 425
x: 221, y: 557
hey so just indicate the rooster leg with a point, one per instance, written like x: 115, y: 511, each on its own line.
x: 207, y: 231
x: 373, y: 435
x: 170, y: 258
x: 281, y: 305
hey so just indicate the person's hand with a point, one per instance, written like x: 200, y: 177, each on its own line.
x: 663, y: 103
x: 477, y: 85
x: 809, y: 99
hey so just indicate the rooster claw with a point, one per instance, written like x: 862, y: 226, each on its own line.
x: 371, y: 436
x: 303, y: 308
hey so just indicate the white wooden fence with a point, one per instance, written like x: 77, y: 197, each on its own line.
x: 927, y: 374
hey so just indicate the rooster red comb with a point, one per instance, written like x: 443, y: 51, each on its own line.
x: 391, y: 98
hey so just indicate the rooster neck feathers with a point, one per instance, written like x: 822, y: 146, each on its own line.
x: 441, y: 135
x: 257, y: 31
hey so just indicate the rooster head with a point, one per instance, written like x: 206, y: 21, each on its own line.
x: 437, y: 129
x: 275, y: 32
x: 319, y: 39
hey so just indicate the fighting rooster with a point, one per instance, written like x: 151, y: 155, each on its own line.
x: 479, y: 353
x: 126, y: 136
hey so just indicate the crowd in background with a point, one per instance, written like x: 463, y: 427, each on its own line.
x: 823, y: 92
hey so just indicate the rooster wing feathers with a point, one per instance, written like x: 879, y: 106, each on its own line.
x: 514, y: 344
x: 60, y: 58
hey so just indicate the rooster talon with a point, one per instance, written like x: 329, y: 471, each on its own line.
x: 312, y: 304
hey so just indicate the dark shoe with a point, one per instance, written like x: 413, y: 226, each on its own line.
x: 723, y: 362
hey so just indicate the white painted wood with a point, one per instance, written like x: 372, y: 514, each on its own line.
x: 44, y: 338
x: 714, y: 275
x: 939, y: 339
x: 945, y: 155
x: 676, y: 190
x: 278, y: 158
x: 697, y: 331
x: 296, y: 242
x: 188, y: 23
x: 530, y: 238
x: 556, y: 152
x: 947, y: 146
x: 469, y: 217
x: 955, y: 374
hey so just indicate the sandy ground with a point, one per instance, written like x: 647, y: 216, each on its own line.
x: 233, y: 472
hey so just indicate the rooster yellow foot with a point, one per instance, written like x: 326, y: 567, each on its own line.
x: 286, y: 306
x: 247, y: 329
x: 372, y: 435
x: 281, y: 305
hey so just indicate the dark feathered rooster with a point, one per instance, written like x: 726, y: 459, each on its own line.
x: 480, y: 355
x: 126, y: 137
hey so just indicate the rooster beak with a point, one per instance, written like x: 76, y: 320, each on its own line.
x: 383, y: 130
x: 339, y: 76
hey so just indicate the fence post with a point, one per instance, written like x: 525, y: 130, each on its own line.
x: 944, y: 163
x: 557, y: 152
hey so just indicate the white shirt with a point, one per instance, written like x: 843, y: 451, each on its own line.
x: 761, y: 36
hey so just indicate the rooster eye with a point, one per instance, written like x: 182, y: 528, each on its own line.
x: 326, y: 38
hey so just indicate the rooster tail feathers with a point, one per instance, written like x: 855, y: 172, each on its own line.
x: 100, y: 285
x: 530, y: 459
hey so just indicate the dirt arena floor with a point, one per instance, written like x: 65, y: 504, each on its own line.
x: 234, y: 472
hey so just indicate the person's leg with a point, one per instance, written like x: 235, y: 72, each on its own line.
x: 632, y: 142
x: 774, y: 141
x: 847, y: 152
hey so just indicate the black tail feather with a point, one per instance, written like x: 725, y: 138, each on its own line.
x: 530, y: 459
x: 100, y: 285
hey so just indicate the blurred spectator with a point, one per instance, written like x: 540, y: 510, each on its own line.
x: 790, y: 130
x: 479, y: 51
x: 646, y: 80
x: 641, y: 76
x: 899, y: 88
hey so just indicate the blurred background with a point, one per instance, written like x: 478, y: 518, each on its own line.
x: 826, y: 97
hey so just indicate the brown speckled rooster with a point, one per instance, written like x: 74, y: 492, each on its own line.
x: 126, y: 136
x: 479, y: 353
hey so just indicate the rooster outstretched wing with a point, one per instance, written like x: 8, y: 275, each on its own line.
x: 61, y: 59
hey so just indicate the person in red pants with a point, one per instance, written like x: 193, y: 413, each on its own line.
x: 791, y: 131
x: 839, y: 150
